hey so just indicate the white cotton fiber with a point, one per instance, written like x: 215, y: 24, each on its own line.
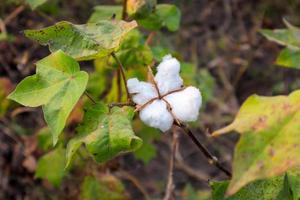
x: 156, y: 115
x: 167, y: 76
x: 185, y: 104
x: 141, y: 91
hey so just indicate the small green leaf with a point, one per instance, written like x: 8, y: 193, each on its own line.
x: 147, y: 151
x: 113, y: 135
x: 269, y: 144
x: 105, y: 12
x: 170, y: 16
x: 51, y: 166
x: 165, y: 15
x: 35, y: 3
x: 293, y: 179
x: 44, y: 139
x: 289, y: 58
x: 140, y: 8
x: 269, y: 189
x: 106, y: 187
x: 189, y: 193
x: 57, y: 86
x: 133, y: 51
x: 83, y: 42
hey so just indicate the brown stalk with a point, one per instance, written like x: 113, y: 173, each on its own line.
x: 211, y: 159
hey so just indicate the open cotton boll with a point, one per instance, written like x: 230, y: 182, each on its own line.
x: 141, y: 91
x: 185, y: 104
x: 167, y: 77
x: 156, y: 115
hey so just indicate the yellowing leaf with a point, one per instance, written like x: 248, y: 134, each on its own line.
x: 57, y: 86
x: 270, y: 138
x: 83, y: 42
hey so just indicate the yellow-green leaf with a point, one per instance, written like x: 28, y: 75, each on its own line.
x: 86, y: 41
x: 57, y: 86
x: 270, y: 138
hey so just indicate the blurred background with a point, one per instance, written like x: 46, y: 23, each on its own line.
x: 223, y: 53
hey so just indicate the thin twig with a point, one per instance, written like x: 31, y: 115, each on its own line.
x: 150, y: 38
x: 121, y: 67
x: 14, y: 14
x: 211, y: 159
x: 124, y: 11
x: 170, y: 184
x: 119, y: 85
x: 121, y: 104
x: 135, y: 181
x: 90, y: 97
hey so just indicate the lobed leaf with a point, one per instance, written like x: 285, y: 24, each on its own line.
x: 83, y: 42
x: 57, y: 86
x: 269, y: 143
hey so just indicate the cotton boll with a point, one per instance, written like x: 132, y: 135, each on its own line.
x: 156, y: 115
x: 141, y: 91
x: 185, y: 104
x: 167, y: 76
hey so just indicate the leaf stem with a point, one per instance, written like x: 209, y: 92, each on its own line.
x: 90, y: 97
x: 121, y: 67
x: 211, y: 159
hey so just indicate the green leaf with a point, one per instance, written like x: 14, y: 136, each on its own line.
x: 94, y: 114
x: 283, y: 37
x: 189, y: 193
x: 44, y: 139
x: 165, y: 15
x: 170, y: 16
x: 57, y: 86
x: 107, y: 187
x: 133, y: 51
x: 269, y: 144
x: 113, y: 135
x: 140, y: 8
x: 289, y: 58
x: 293, y: 179
x: 83, y: 42
x: 105, y: 12
x: 288, y: 37
x: 35, y: 3
x: 147, y: 151
x: 269, y: 189
x: 51, y: 166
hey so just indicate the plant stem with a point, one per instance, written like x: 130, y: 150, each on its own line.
x: 211, y: 159
x: 170, y: 184
x: 90, y: 97
x: 124, y: 11
x: 121, y: 67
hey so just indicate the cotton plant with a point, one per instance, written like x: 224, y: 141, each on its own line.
x: 165, y: 100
